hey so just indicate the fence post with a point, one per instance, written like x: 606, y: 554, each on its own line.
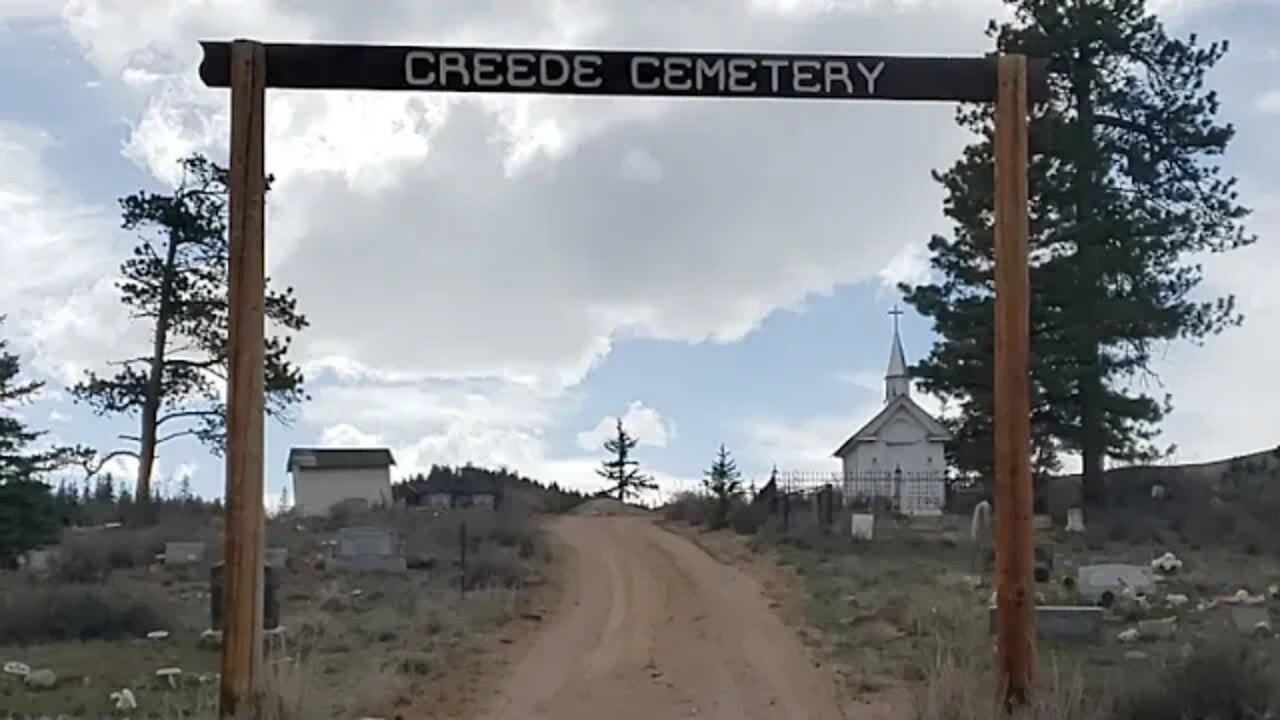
x: 462, y: 559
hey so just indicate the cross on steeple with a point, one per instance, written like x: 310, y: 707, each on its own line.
x: 896, y: 313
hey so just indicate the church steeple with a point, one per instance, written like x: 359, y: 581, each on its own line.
x: 896, y: 380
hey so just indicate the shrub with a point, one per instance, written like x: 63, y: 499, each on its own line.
x: 92, y: 557
x: 510, y: 526
x: 80, y: 560
x: 1222, y: 682
x: 689, y: 507
x: 748, y: 519
x: 493, y: 566
x: 74, y: 612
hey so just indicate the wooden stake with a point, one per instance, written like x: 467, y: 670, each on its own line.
x: 242, y: 596
x: 1015, y: 596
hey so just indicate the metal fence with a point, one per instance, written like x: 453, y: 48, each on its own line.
x: 906, y: 493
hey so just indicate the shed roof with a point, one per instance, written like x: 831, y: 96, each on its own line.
x: 335, y: 458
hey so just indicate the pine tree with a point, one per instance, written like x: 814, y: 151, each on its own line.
x: 622, y: 472
x: 1125, y: 190
x: 104, y: 491
x: 176, y: 281
x: 30, y: 514
x: 724, y: 482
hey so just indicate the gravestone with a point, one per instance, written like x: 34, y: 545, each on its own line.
x: 276, y: 557
x: 862, y: 526
x: 368, y: 549
x: 1103, y: 583
x: 1067, y: 623
x: 40, y: 562
x: 270, y: 597
x: 184, y: 553
x: 1246, y: 618
x: 1075, y: 520
x: 1158, y: 629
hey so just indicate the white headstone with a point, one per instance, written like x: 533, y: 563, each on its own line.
x: 183, y: 553
x: 368, y: 548
x: 1094, y: 581
x: 862, y: 526
x: 354, y: 542
x: 1075, y: 520
x: 276, y: 556
x: 980, y: 525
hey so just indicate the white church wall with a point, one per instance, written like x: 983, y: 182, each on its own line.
x: 869, y: 468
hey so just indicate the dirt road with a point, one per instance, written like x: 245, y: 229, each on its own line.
x: 650, y: 626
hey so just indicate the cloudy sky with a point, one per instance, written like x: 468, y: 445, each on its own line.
x: 493, y: 278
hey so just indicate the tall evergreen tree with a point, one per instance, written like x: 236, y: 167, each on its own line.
x: 176, y: 281
x: 30, y: 514
x: 724, y: 482
x: 1125, y: 191
x: 621, y: 470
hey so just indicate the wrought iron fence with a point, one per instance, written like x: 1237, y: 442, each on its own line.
x: 911, y: 493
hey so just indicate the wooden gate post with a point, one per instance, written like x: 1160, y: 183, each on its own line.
x: 245, y: 516
x: 1015, y: 594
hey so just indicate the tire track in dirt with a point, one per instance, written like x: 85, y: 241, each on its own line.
x: 650, y: 626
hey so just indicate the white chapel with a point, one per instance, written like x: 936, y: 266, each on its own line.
x: 898, y: 454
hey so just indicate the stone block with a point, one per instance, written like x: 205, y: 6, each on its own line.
x: 1102, y: 583
x: 1064, y: 623
x: 184, y: 553
x: 862, y: 526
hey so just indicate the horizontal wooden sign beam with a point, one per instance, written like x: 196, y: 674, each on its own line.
x: 618, y: 72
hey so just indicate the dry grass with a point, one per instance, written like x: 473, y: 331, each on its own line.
x: 909, y: 611
x: 354, y: 645
x: 35, y: 614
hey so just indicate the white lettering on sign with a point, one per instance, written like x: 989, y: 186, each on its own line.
x: 775, y: 73
x: 667, y: 73
x: 417, y: 67
x: 804, y: 76
x: 710, y: 72
x: 452, y: 64
x: 521, y: 70
x: 676, y: 73
x: 487, y: 69
x: 742, y: 75
x: 871, y: 75
x: 586, y: 71
x: 645, y: 73
x: 545, y: 64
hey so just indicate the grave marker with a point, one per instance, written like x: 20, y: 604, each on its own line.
x: 184, y: 553
x: 1098, y: 582
x: 1065, y: 623
x: 276, y: 557
x: 863, y: 526
x: 368, y: 549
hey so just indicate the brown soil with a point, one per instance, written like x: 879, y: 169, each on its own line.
x: 649, y: 625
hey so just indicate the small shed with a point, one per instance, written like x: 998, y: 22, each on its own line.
x: 326, y: 477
